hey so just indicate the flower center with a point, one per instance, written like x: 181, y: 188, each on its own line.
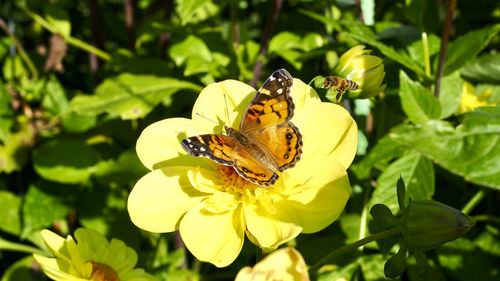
x: 234, y: 182
x: 103, y: 272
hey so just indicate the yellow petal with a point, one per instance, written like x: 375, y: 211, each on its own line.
x: 326, y: 194
x: 213, y: 237
x: 269, y: 230
x: 303, y: 94
x: 161, y: 197
x: 56, y: 244
x: 56, y: 269
x: 159, y: 145
x: 328, y: 128
x: 217, y: 100
x: 120, y: 257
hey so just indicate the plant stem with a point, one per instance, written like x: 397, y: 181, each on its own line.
x: 474, y: 201
x: 273, y: 16
x: 427, y: 59
x: 17, y: 247
x: 22, y: 52
x: 364, y: 215
x: 70, y: 40
x: 444, y: 44
x: 349, y: 247
x: 487, y: 218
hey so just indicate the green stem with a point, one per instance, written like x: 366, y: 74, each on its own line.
x: 17, y: 247
x: 355, y: 245
x: 487, y: 218
x: 474, y: 201
x: 70, y: 40
x: 364, y: 215
x: 427, y: 59
x: 20, y: 49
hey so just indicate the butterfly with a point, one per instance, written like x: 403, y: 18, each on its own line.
x: 266, y: 141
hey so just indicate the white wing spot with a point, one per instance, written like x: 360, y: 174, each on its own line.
x: 202, y: 149
x: 280, y: 91
x: 271, y: 78
x: 188, y: 140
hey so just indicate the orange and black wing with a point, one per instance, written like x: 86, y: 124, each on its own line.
x: 216, y: 147
x: 253, y: 170
x: 284, y: 143
x: 272, y: 104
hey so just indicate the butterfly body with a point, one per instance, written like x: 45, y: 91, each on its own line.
x: 266, y: 141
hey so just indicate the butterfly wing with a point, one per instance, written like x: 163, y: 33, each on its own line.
x: 216, y: 147
x: 283, y: 142
x: 253, y: 170
x: 272, y: 104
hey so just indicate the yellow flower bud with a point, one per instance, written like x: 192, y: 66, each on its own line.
x: 429, y: 224
x: 364, y: 69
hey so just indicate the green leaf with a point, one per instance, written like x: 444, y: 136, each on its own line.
x: 471, y: 150
x: 363, y: 34
x: 372, y: 267
x: 464, y: 262
x: 191, y: 51
x: 59, y: 18
x: 489, y: 240
x: 76, y: 123
x: 22, y: 269
x: 6, y: 113
x: 65, y: 161
x: 284, y: 41
x: 485, y: 69
x: 129, y: 96
x: 418, y: 175
x: 10, y: 207
x: 54, y: 99
x: 416, y: 49
x: 14, y: 152
x: 191, y: 11
x: 13, y: 68
x: 378, y: 157
x: 126, y: 170
x: 465, y: 48
x: 417, y: 102
x: 450, y: 94
x: 42, y: 206
x: 5, y: 43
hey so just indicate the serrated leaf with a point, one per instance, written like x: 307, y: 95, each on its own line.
x: 465, y: 48
x: 418, y: 175
x: 129, y: 96
x: 65, y: 161
x: 59, y: 18
x: 10, y: 208
x: 42, y: 207
x: 484, y: 69
x: 450, y: 94
x: 418, y: 103
x: 471, y: 150
x: 188, y: 8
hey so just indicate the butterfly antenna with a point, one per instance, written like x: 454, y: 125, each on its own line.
x: 207, y: 118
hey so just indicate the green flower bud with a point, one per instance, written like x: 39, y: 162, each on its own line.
x: 383, y: 215
x: 365, y: 70
x: 429, y: 224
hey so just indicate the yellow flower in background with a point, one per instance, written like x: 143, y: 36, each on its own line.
x: 90, y: 257
x: 470, y: 100
x: 285, y: 264
x: 213, y: 207
x: 366, y: 70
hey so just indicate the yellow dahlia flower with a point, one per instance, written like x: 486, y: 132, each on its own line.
x: 213, y: 207
x: 91, y: 257
x: 285, y: 264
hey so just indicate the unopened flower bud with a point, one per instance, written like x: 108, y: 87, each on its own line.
x: 429, y: 224
x: 365, y: 70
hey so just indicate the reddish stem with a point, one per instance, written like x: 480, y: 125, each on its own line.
x: 444, y: 44
x: 264, y: 44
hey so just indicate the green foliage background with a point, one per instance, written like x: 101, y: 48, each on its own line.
x: 67, y: 137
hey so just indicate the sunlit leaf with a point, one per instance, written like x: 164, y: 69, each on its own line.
x: 471, y: 150
x: 10, y: 210
x: 418, y: 103
x: 129, y: 96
